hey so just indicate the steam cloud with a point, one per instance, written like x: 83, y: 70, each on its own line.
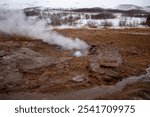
x: 17, y: 22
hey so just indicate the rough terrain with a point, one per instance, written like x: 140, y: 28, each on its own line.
x: 114, y: 68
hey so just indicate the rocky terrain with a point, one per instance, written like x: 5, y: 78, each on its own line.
x: 114, y: 67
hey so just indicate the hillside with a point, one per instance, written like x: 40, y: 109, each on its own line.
x: 132, y: 7
x: 88, y: 17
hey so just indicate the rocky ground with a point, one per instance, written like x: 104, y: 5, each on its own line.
x: 114, y: 68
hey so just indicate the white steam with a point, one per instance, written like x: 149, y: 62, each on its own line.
x: 17, y: 22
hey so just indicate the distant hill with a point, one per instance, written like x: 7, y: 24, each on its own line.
x: 69, y: 4
x: 132, y: 7
x: 147, y: 8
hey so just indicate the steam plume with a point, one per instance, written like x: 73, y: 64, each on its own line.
x: 17, y: 22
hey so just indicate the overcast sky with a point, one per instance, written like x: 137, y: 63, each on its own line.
x: 70, y: 3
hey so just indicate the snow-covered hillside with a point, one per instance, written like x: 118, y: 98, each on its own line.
x: 132, y: 7
x: 128, y: 7
x: 147, y: 8
x: 87, y: 18
x: 80, y: 14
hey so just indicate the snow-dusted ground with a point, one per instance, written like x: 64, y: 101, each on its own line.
x: 136, y: 22
x: 84, y: 22
x: 78, y: 19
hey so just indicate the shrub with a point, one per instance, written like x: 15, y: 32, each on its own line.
x: 106, y: 24
x: 103, y: 16
x: 33, y: 12
x: 58, y: 19
x: 55, y: 20
x: 132, y: 24
x: 87, y: 16
x: 91, y: 24
x: 148, y: 20
x: 123, y: 22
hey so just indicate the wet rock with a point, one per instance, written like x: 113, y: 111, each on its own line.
x: 29, y: 59
x: 10, y: 80
x: 14, y: 77
x: 147, y: 95
x: 108, y: 72
x: 18, y: 61
x: 133, y: 52
x: 1, y: 77
x: 38, y: 63
x: 108, y: 62
x: 57, y: 47
x: 109, y: 58
x: 93, y: 63
x: 105, y: 61
x: 79, y: 78
x: 92, y: 49
x: 2, y: 53
x: 10, y: 77
x: 30, y: 85
x: 107, y: 78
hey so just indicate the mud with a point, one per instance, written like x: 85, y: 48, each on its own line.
x: 112, y: 68
x: 87, y: 94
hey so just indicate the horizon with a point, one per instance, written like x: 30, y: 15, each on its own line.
x: 14, y: 4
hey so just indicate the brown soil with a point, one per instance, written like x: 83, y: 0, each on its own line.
x: 32, y: 69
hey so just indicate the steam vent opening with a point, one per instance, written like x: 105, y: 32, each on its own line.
x: 77, y: 54
x: 80, y: 53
